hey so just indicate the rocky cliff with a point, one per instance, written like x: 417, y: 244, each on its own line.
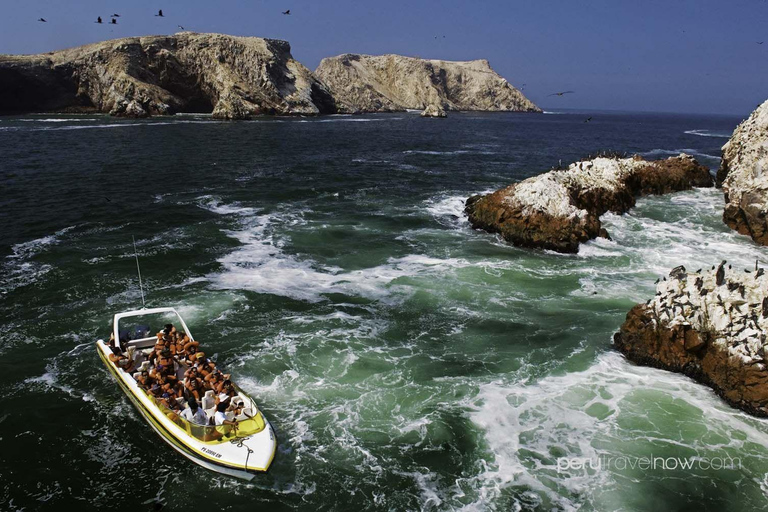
x: 232, y: 77
x: 710, y: 326
x: 560, y: 209
x: 386, y: 83
x: 744, y: 177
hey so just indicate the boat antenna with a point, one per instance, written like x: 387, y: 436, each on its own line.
x: 135, y: 253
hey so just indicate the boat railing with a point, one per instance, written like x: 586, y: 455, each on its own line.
x: 213, y: 434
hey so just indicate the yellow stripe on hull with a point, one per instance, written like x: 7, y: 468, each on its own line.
x: 179, y: 444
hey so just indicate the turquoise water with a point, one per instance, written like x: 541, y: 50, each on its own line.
x: 406, y: 361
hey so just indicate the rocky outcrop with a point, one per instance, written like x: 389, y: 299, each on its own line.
x: 433, y: 111
x: 232, y: 77
x: 743, y: 174
x: 388, y: 83
x: 560, y: 209
x: 707, y: 325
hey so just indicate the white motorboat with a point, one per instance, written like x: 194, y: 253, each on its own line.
x: 241, y: 448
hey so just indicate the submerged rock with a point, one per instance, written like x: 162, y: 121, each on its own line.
x: 434, y: 111
x: 232, y: 77
x: 560, y: 209
x: 744, y: 177
x: 714, y: 333
x: 388, y: 83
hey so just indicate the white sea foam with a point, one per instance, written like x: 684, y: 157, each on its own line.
x: 588, y: 414
x: 215, y: 205
x: 675, y: 152
x: 454, y: 152
x: 262, y: 265
x: 449, y: 208
x: 708, y: 133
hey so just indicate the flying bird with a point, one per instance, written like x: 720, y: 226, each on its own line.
x: 98, y: 20
x: 588, y: 119
x: 43, y: 20
x: 287, y: 13
x: 560, y: 93
x: 115, y: 15
x: 760, y: 42
x: 113, y: 22
x: 160, y: 13
x: 180, y: 27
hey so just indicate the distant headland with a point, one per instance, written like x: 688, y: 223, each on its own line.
x: 237, y: 77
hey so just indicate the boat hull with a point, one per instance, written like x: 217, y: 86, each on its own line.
x: 192, y: 450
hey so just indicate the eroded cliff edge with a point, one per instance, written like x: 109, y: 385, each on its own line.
x: 389, y: 83
x: 744, y: 177
x: 560, y: 209
x: 709, y: 326
x: 232, y: 77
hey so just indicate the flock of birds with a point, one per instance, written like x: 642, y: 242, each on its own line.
x: 114, y: 16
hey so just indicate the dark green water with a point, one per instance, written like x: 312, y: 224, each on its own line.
x: 405, y: 361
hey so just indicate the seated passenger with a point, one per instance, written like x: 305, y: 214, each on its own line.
x: 190, y: 349
x: 213, y: 380
x: 225, y: 394
x: 195, y: 388
x: 169, y: 401
x: 118, y: 358
x: 194, y: 414
x: 219, y: 418
x: 143, y: 380
x: 204, y: 365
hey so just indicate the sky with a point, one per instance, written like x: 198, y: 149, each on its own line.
x: 694, y: 56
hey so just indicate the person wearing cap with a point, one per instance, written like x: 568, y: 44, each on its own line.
x: 194, y: 414
x: 204, y: 365
x: 225, y: 393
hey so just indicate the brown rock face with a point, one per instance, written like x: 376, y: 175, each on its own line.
x: 708, y: 327
x: 684, y: 350
x: 559, y: 210
x: 232, y: 77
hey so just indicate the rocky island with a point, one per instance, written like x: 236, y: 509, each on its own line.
x: 744, y: 178
x: 232, y: 77
x: 237, y: 77
x: 560, y: 209
x: 707, y: 325
x: 390, y: 83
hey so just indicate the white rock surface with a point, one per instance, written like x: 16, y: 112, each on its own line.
x: 744, y: 176
x: 385, y: 83
x: 733, y: 311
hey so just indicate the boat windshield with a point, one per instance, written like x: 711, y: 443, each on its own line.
x: 209, y: 433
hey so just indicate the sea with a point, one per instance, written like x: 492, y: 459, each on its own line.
x: 405, y: 360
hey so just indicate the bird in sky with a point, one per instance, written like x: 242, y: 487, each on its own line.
x: 180, y: 27
x: 98, y: 20
x: 115, y: 15
x: 588, y: 119
x: 113, y: 22
x: 760, y: 42
x: 560, y: 93
x: 160, y: 13
x: 287, y: 13
x: 43, y: 20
